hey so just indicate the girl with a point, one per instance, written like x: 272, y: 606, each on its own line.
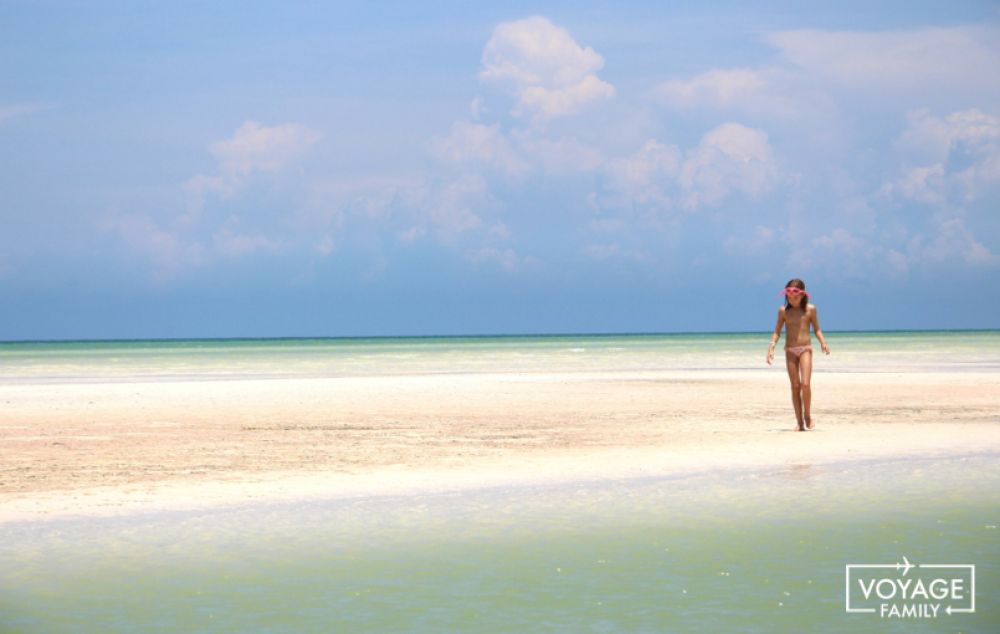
x: 796, y: 315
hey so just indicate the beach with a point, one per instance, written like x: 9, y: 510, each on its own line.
x: 105, y: 448
x: 569, y: 483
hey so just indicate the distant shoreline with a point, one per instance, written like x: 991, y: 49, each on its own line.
x: 448, y: 337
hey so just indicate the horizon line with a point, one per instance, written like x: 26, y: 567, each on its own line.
x: 479, y: 335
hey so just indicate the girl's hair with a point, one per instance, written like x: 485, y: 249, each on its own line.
x: 797, y: 283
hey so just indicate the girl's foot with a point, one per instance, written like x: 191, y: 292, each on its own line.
x: 799, y: 428
x: 809, y: 423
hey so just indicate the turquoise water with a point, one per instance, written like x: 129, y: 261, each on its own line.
x: 724, y: 552
x: 264, y: 358
x: 739, y: 552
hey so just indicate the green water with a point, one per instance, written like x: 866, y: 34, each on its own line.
x: 723, y: 552
x: 275, y: 358
x: 736, y: 552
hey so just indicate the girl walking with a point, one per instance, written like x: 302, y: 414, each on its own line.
x: 796, y: 316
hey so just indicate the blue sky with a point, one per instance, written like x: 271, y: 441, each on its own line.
x: 336, y: 169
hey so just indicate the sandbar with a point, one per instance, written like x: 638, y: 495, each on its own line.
x: 77, y: 449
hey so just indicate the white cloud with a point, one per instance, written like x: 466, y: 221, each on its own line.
x: 452, y: 213
x: 614, y: 251
x: 738, y: 88
x: 230, y: 243
x: 191, y: 241
x: 972, y: 131
x: 646, y: 177
x: 817, y: 75
x: 507, y: 259
x: 443, y: 210
x: 252, y: 148
x: 477, y: 109
x: 845, y: 255
x: 957, y: 156
x: 174, y: 252
x: 961, y: 57
x: 19, y: 109
x: 255, y: 147
x: 759, y: 242
x: 456, y: 212
x: 473, y: 143
x: 607, y: 225
x: 547, y: 71
x: 558, y: 156
x: 170, y: 253
x: 486, y: 146
x: 715, y: 87
x: 500, y: 230
x: 198, y: 186
x: 953, y: 241
x: 922, y: 184
x: 325, y: 246
x: 731, y: 157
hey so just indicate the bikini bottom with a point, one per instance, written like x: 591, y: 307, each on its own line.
x: 798, y: 350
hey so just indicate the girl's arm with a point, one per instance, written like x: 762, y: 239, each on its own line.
x: 816, y: 329
x: 776, y: 335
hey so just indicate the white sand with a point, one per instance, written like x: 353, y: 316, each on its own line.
x: 112, y: 448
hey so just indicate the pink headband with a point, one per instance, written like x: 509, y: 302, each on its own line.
x: 791, y: 290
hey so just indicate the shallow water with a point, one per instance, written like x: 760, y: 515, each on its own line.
x: 746, y: 552
x: 22, y: 362
x: 749, y: 552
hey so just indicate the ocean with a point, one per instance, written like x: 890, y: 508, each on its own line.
x: 775, y: 550
x: 210, y: 359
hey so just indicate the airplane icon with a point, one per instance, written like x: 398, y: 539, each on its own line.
x: 906, y: 567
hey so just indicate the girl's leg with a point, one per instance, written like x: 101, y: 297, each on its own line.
x: 805, y: 370
x: 792, y: 363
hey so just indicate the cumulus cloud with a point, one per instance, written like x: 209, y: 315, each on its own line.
x: 456, y: 212
x: 562, y: 155
x: 845, y: 255
x: 473, y: 143
x: 950, y: 163
x: 255, y: 147
x: 170, y: 253
x: 614, y: 251
x: 191, y: 240
x: 950, y: 242
x: 815, y: 69
x: 959, y: 153
x: 230, y: 242
x: 731, y: 157
x: 507, y: 259
x: 549, y: 74
x: 758, y: 242
x: 452, y: 212
x: 443, y: 210
x: 922, y: 184
x: 924, y: 217
x: 252, y: 148
x: 755, y: 90
x: 952, y: 67
x: 960, y: 57
x: 647, y: 177
x: 174, y: 252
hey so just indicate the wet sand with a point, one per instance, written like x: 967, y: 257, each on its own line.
x: 91, y: 449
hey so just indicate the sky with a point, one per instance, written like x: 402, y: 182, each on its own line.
x: 289, y: 169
